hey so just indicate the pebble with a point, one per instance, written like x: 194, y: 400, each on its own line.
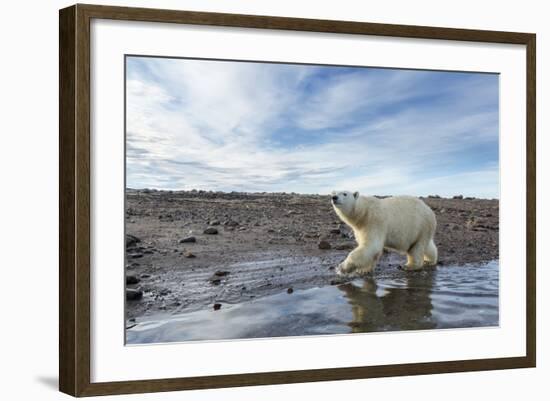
x: 211, y: 231
x: 335, y: 231
x: 290, y: 290
x: 188, y: 254
x: 188, y: 239
x: 215, y: 223
x: 324, y: 245
x: 221, y: 273
x: 131, y: 240
x: 217, y: 306
x: 131, y: 279
x: 134, y: 294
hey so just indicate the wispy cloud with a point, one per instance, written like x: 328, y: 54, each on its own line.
x: 277, y: 127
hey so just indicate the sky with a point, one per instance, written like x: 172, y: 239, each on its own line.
x: 268, y: 127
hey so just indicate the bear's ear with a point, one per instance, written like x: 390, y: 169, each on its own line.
x: 356, y: 195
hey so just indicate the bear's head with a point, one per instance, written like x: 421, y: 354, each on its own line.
x: 344, y: 201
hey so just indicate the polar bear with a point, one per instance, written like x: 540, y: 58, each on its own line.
x: 401, y: 223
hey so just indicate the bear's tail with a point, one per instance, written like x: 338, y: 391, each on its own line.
x: 430, y: 256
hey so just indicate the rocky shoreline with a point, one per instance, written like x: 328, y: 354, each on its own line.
x: 191, y: 250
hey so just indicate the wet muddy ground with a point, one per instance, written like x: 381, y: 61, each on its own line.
x: 438, y: 298
x: 196, y: 251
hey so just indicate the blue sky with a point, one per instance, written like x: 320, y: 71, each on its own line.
x: 241, y: 126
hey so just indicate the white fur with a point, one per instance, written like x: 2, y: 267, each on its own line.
x: 401, y: 223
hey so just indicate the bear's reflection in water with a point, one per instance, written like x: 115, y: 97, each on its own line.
x: 405, y: 306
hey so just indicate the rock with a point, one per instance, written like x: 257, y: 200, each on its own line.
x: 458, y: 197
x: 188, y: 254
x: 216, y: 277
x: 230, y: 223
x: 335, y: 231
x: 135, y: 255
x: 188, y: 239
x: 215, y: 223
x: 453, y: 226
x: 131, y: 279
x: 324, y: 245
x: 145, y: 275
x: 131, y: 240
x: 211, y: 231
x: 217, y: 306
x: 134, y: 294
x: 289, y: 291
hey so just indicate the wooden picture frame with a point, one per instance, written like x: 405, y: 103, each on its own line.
x: 74, y: 199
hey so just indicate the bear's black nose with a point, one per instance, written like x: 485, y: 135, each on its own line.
x: 335, y: 198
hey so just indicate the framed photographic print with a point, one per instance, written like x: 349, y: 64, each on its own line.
x: 303, y: 199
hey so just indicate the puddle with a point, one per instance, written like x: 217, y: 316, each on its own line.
x: 446, y: 297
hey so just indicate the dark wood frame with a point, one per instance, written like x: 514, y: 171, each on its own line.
x: 74, y: 199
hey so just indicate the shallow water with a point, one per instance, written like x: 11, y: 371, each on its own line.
x: 438, y: 298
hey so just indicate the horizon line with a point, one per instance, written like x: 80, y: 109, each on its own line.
x: 430, y: 196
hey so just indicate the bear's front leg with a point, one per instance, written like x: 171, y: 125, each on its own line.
x: 361, y: 260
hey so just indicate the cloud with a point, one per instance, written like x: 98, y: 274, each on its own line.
x: 275, y: 127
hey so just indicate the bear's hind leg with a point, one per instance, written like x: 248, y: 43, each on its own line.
x: 415, y: 257
x: 430, y: 255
